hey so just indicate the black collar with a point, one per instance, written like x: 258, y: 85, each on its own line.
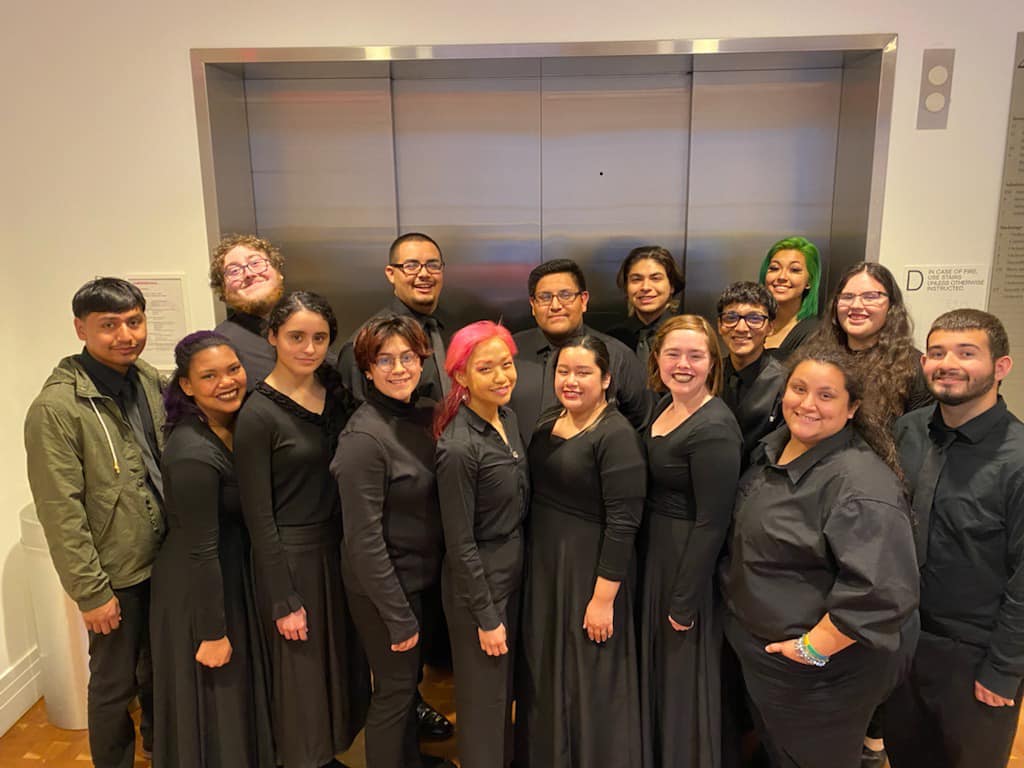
x: 749, y: 373
x: 477, y: 422
x: 775, y: 443
x: 974, y: 431
x: 110, y: 382
x: 252, y: 323
x: 401, y: 308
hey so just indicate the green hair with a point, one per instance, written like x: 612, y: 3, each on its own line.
x: 809, y: 305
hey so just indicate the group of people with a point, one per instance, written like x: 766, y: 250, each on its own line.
x: 771, y: 536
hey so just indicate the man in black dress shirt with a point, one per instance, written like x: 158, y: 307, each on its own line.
x: 964, y: 463
x: 558, y: 300
x: 246, y: 274
x: 415, y: 270
x: 93, y: 439
x: 753, y: 380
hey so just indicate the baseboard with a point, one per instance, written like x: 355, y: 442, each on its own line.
x: 19, y: 689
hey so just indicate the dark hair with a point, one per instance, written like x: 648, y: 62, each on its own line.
x: 686, y: 323
x: 809, y: 305
x: 377, y: 330
x: 591, y: 344
x: 107, y: 294
x: 231, y: 241
x: 296, y: 301
x: 893, y: 353
x: 975, y: 320
x: 659, y: 255
x: 177, y: 404
x: 412, y: 237
x: 746, y: 292
x: 868, y: 421
x: 555, y: 267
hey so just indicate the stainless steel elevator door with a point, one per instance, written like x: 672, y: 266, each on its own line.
x: 324, y: 185
x: 762, y: 167
x: 468, y: 174
x: 614, y: 157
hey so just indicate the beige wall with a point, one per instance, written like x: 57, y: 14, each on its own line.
x: 101, y: 171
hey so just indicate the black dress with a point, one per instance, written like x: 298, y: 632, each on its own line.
x: 692, y: 476
x: 578, y: 702
x: 201, y: 590
x: 794, y: 339
x: 320, y: 686
x: 484, y: 488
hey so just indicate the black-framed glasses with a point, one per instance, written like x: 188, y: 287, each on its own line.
x: 387, y: 362
x: 754, y: 320
x: 868, y: 298
x: 565, y: 296
x: 413, y: 267
x: 257, y: 266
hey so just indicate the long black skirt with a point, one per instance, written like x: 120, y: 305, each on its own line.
x: 320, y: 687
x: 680, y: 680
x: 207, y: 718
x: 578, y: 702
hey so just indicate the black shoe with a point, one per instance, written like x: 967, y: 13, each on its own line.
x: 870, y: 758
x: 431, y: 725
x: 433, y: 761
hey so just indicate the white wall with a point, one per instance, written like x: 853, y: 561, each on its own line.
x: 101, y: 171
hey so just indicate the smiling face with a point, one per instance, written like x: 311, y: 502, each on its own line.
x: 253, y: 292
x: 816, y: 403
x: 862, y: 319
x: 579, y: 384
x: 684, y: 364
x: 745, y: 344
x: 959, y: 368
x: 558, y: 319
x: 395, y: 370
x: 490, y: 375
x: 301, y: 342
x: 648, y: 289
x: 115, y: 339
x: 787, y: 276
x: 420, y: 291
x: 216, y: 381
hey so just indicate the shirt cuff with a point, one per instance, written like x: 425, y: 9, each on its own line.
x: 998, y: 682
x: 401, y: 630
x: 289, y: 604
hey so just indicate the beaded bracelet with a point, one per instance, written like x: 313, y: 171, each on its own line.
x: 806, y: 651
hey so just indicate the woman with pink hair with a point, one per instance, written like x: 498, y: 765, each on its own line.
x: 484, y: 490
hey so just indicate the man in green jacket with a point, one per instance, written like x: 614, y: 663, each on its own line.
x: 93, y: 438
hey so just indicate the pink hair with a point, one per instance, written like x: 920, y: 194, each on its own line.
x: 460, y: 349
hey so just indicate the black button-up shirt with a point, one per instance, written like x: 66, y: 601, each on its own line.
x: 829, y: 532
x: 972, y: 582
x: 484, y: 488
x: 754, y: 395
x: 257, y: 355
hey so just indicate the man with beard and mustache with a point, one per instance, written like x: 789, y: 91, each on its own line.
x: 245, y: 273
x: 964, y: 464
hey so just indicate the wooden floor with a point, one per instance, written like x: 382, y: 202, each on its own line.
x: 32, y: 742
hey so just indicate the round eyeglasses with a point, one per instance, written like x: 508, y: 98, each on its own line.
x: 257, y: 266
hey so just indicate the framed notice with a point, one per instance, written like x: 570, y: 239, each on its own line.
x: 167, y: 315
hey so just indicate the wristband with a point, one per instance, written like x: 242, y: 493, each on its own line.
x: 807, y: 653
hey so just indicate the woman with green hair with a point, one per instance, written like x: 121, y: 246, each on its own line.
x: 791, y: 270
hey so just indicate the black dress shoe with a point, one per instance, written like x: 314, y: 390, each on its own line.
x: 431, y: 725
x: 870, y: 758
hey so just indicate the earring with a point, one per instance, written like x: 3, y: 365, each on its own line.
x: 465, y: 396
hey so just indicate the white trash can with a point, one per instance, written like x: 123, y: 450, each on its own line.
x: 63, y: 639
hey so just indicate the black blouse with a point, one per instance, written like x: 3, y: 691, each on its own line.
x: 598, y: 475
x: 202, y: 500
x: 484, y: 488
x: 282, y: 455
x: 384, y: 468
x: 797, y: 336
x: 692, y: 474
x: 827, y: 533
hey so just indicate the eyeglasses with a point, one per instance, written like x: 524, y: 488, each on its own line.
x: 868, y: 298
x: 413, y: 267
x: 387, y: 362
x: 257, y: 266
x: 544, y: 298
x: 754, y: 320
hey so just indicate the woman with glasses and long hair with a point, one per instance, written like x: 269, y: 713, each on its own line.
x: 284, y: 442
x: 578, y: 701
x: 384, y: 469
x: 483, y: 483
x: 653, y: 284
x: 209, y: 693
x: 791, y: 270
x: 694, y: 449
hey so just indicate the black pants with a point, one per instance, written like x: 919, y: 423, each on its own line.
x: 391, y: 739
x: 933, y: 720
x: 119, y: 670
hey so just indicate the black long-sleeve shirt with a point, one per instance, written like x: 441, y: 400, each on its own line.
x: 598, y: 475
x: 257, y: 355
x: 282, y: 457
x: 972, y: 582
x: 484, y: 488
x: 535, y: 390
x: 754, y: 395
x: 384, y: 468
x: 797, y: 335
x: 691, y: 474
x: 829, y: 532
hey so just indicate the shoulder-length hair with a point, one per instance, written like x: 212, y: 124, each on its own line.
x: 809, y: 305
